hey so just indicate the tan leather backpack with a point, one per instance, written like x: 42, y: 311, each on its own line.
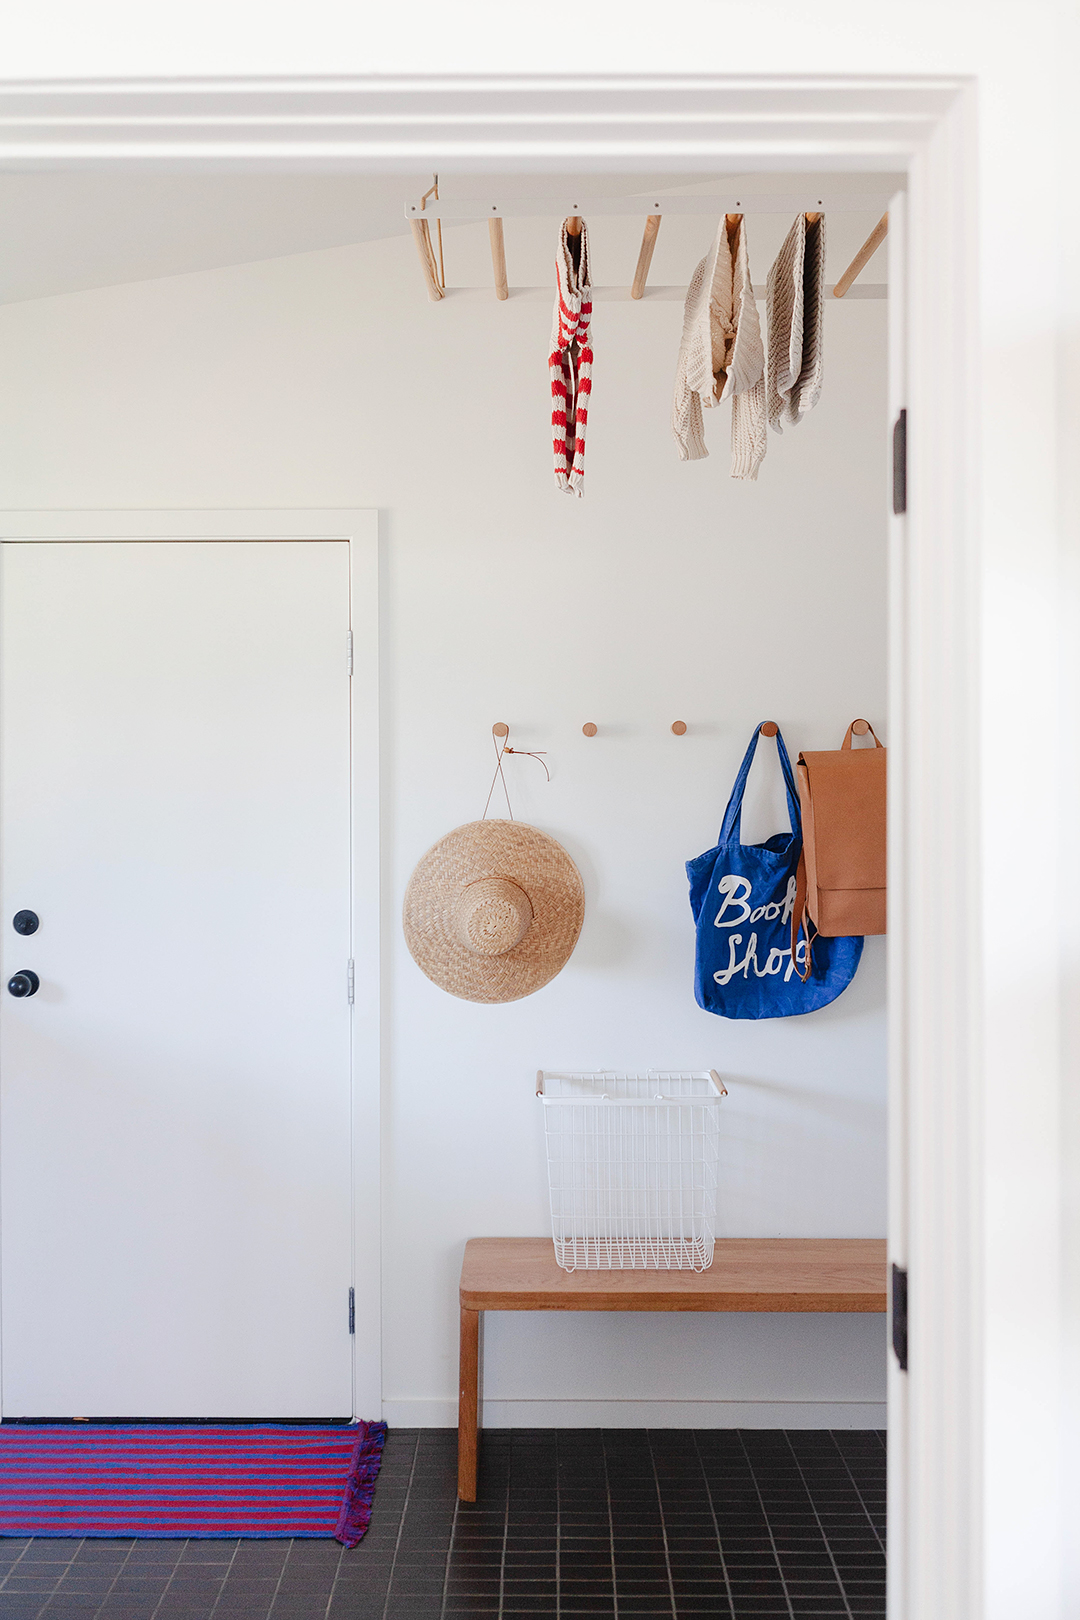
x: 841, y: 877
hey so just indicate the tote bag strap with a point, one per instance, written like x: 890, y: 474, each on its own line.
x: 731, y: 831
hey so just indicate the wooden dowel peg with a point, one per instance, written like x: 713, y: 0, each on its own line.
x: 422, y: 236
x: 860, y: 727
x: 500, y: 729
x: 863, y: 257
x: 769, y: 728
x: 812, y: 219
x: 588, y: 729
x: 648, y: 243
x: 573, y: 225
x: 679, y: 727
x: 498, y: 257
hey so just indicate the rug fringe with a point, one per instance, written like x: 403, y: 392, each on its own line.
x: 355, y: 1513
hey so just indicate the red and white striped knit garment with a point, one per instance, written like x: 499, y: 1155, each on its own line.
x: 570, y: 362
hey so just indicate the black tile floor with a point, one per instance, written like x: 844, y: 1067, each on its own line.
x: 620, y: 1522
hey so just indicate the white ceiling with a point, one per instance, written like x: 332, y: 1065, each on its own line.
x: 68, y: 232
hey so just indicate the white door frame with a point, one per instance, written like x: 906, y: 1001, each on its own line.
x: 923, y: 125
x: 360, y: 528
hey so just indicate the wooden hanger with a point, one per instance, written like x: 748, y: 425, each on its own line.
x: 434, y: 275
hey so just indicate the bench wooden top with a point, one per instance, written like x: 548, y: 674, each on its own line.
x: 747, y: 1274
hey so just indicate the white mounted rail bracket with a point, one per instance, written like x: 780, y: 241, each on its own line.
x: 720, y: 203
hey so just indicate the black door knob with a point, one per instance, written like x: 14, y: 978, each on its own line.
x: 25, y: 983
x: 26, y: 922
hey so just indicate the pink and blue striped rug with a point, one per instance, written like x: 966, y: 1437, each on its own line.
x: 188, y: 1480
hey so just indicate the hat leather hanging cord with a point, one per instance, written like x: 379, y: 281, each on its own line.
x: 494, y: 909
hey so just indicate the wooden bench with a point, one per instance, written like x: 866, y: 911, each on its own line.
x: 747, y: 1274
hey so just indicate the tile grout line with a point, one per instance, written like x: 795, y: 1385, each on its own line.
x: 716, y: 1523
x: 224, y: 1579
x: 506, y: 1527
x: 15, y: 1562
x: 858, y: 1490
x: 558, y: 1529
x: 172, y: 1576
x: 281, y: 1577
x: 663, y: 1523
x: 821, y: 1527
x: 768, y: 1523
x: 401, y: 1528
x: 449, y: 1550
x: 116, y: 1577
x: 611, y: 1528
x: 333, y: 1583
x: 60, y: 1578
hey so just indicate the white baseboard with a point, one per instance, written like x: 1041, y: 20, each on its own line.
x: 499, y: 1414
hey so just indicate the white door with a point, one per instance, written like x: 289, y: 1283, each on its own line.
x: 175, y: 1114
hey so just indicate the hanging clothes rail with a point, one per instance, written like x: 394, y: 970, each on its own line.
x: 431, y: 207
x: 728, y: 202
x: 654, y: 293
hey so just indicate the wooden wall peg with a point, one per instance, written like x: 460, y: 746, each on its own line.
x: 573, y: 225
x: 860, y: 727
x: 769, y: 728
x: 500, y: 729
x: 588, y: 729
x: 679, y: 727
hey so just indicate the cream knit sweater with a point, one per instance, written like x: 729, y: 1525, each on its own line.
x: 795, y: 312
x: 721, y: 356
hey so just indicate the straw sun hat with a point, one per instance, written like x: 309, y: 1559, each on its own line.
x: 493, y: 910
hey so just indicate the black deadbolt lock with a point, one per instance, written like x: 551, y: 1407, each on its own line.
x: 26, y: 922
x: 25, y: 983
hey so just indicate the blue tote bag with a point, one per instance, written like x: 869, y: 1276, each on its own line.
x: 742, y: 897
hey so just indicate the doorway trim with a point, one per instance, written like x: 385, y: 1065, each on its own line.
x: 924, y: 126
x: 360, y: 528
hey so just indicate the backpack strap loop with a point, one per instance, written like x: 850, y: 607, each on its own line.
x: 800, y: 921
x: 866, y: 727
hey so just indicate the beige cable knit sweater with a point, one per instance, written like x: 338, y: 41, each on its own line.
x: 795, y: 314
x: 721, y: 356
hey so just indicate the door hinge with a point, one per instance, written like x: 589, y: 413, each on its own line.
x: 899, y: 464
x: 349, y: 651
x: 352, y: 1310
x: 899, y: 1315
x: 352, y: 981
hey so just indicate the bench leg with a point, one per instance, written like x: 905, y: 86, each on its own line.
x: 468, y: 1404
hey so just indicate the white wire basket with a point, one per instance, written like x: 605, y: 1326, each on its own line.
x: 632, y: 1162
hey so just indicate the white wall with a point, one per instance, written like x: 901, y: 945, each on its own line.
x: 669, y: 592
